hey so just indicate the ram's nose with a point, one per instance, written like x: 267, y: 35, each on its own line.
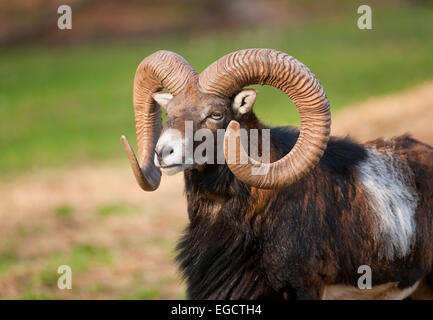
x: 168, y: 151
x: 162, y: 155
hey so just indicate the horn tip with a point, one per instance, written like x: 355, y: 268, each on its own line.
x: 234, y: 125
x: 126, y: 144
x: 124, y: 140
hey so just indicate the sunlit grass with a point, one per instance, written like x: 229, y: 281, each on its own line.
x: 64, y: 211
x: 7, y: 261
x: 81, y: 257
x: 60, y: 106
x: 143, y: 294
x: 117, y: 209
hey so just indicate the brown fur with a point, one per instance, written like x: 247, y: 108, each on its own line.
x: 248, y: 243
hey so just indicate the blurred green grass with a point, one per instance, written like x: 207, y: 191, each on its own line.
x: 43, y: 285
x: 61, y: 106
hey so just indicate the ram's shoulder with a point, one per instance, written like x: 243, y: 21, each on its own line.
x: 405, y: 146
x: 343, y: 155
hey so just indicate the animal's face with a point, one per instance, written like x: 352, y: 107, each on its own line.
x: 193, y: 132
x: 204, y: 104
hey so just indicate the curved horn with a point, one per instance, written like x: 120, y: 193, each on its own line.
x: 162, y: 69
x: 226, y: 76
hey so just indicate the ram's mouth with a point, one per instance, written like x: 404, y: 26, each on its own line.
x: 170, y: 166
x: 172, y: 169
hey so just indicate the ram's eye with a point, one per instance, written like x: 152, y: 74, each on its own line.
x: 216, y: 115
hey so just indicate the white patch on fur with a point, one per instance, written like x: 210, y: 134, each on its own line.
x: 388, y: 181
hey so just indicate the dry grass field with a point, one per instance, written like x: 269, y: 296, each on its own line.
x: 410, y: 111
x: 119, y: 240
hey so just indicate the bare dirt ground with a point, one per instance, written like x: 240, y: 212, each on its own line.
x: 119, y: 240
x: 410, y: 111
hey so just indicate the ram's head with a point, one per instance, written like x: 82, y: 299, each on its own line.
x: 215, y: 99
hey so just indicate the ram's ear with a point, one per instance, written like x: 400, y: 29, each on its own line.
x: 162, y: 98
x: 244, y: 101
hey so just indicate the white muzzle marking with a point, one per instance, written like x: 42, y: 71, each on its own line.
x: 170, y: 152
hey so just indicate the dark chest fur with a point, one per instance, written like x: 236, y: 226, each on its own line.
x: 247, y: 244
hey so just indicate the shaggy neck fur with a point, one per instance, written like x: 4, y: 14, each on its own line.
x: 246, y: 243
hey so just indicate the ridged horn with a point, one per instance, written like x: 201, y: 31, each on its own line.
x: 162, y: 69
x: 226, y: 76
